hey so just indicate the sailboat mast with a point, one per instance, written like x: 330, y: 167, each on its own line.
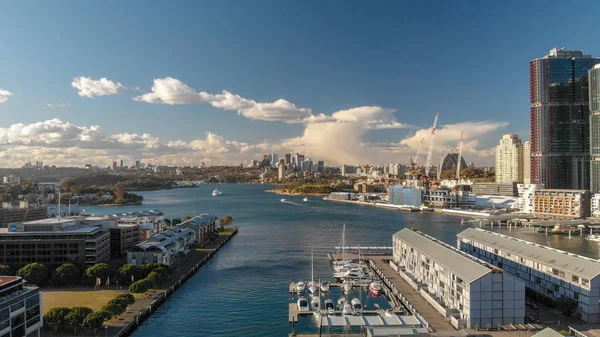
x: 312, y: 268
x: 344, y: 243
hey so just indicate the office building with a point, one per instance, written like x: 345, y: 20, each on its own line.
x: 348, y: 170
x: 548, y: 271
x: 281, y: 172
x: 467, y: 290
x: 560, y: 119
x: 509, y: 160
x: 123, y: 238
x: 163, y: 247
x: 527, y: 195
x: 321, y: 166
x: 20, y: 308
x: 288, y: 159
x: 137, y: 165
x: 562, y: 203
x: 56, y: 241
x: 527, y: 162
x: 451, y: 161
x: 121, y: 163
x: 150, y: 222
x: 594, y: 93
x: 114, y: 166
x: 400, y: 195
x: 444, y: 198
x: 9, y: 214
x: 508, y: 189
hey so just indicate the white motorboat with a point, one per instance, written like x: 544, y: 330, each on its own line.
x: 216, y: 192
x: 356, y: 306
x: 315, y: 303
x: 300, y: 287
x: 283, y: 200
x: 305, y: 199
x: 593, y: 237
x: 353, y: 274
x: 313, y: 288
x: 303, y: 304
x: 347, y: 286
x: 375, y: 288
x: 329, y: 306
x: 347, y: 310
x: 324, y: 287
x: 347, y: 266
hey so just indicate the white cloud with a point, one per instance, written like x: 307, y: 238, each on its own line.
x: 88, y: 87
x: 60, y: 105
x: 4, y: 95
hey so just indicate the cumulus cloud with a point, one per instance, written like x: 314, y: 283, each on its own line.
x: 4, y: 95
x: 89, y: 87
x: 60, y: 105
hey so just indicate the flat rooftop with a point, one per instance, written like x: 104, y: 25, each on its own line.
x: 467, y: 268
x: 576, y: 264
x: 8, y: 279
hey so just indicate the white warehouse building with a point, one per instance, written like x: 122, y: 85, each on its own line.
x: 546, y: 270
x: 473, y: 293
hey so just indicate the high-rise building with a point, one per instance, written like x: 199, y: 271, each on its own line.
x: 594, y: 78
x: 121, y: 162
x: 509, y: 159
x: 559, y: 97
x: 527, y: 162
x: 288, y: 158
x: 281, y: 172
x: 114, y: 166
x: 321, y: 166
x: 274, y: 159
x: 137, y: 165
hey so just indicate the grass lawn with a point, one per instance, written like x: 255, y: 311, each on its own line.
x: 76, y: 298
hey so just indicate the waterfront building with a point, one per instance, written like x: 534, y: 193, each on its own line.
x: 444, y: 198
x: 20, y: 308
x: 560, y: 119
x: 469, y: 291
x: 364, y: 188
x: 55, y: 241
x: 595, y: 205
x: 508, y: 189
x: 341, y: 196
x: 526, y: 196
x: 527, y: 162
x: 545, y: 270
x: 123, y: 238
x: 150, y: 222
x: 451, y: 161
x: 563, y: 203
x: 163, y: 247
x: 204, y: 225
x: 509, y: 159
x: 400, y: 195
x: 9, y: 214
x: 594, y: 81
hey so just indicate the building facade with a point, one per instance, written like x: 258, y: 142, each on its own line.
x: 526, y: 196
x: 471, y: 290
x: 164, y: 247
x: 204, y: 225
x: 562, y: 203
x: 11, y: 215
x: 560, y: 121
x: 20, y: 308
x: 595, y: 205
x: 509, y: 159
x: 400, y: 195
x: 123, y: 238
x: 594, y: 85
x: 506, y: 189
x: 545, y: 270
x: 527, y: 162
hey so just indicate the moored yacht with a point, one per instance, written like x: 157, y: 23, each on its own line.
x: 303, y: 304
x: 329, y: 306
x: 300, y: 287
x: 347, y: 286
x: 356, y: 306
x: 324, y: 287
x: 375, y: 288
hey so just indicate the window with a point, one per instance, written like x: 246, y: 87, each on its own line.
x: 575, y: 279
x: 576, y: 296
x: 585, y: 282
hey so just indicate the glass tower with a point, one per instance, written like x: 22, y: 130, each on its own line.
x: 560, y: 119
x: 594, y: 80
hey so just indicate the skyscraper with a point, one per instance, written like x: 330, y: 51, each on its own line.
x: 527, y: 162
x: 509, y: 159
x: 594, y: 78
x: 560, y: 128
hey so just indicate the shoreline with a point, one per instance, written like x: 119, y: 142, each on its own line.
x: 295, y: 193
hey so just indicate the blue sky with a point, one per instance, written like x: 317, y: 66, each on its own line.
x: 469, y: 60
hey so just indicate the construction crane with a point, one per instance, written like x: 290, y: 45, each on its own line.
x: 439, y: 170
x: 418, y: 151
x: 430, y: 148
x: 458, y: 166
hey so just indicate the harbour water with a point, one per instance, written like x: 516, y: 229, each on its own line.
x: 243, y: 290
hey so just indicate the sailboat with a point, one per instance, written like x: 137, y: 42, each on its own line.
x: 313, y: 287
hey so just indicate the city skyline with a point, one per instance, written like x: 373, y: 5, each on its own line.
x: 182, y: 86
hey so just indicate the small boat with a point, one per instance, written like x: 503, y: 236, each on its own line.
x: 305, y: 199
x: 324, y: 287
x: 216, y: 192
x: 375, y: 288
x: 315, y: 303
x: 356, y: 306
x: 329, y: 306
x: 283, y: 200
x: 303, y: 304
x: 300, y: 287
x: 347, y: 286
x: 347, y: 309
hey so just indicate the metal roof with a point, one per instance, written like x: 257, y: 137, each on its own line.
x: 548, y: 332
x: 467, y: 268
x: 573, y: 263
x: 160, y: 241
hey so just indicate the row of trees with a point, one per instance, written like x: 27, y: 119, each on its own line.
x: 83, y: 317
x: 156, y: 275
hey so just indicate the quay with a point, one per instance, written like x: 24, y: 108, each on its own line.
x: 125, y: 324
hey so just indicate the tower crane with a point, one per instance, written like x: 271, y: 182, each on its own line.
x: 430, y: 148
x: 458, y: 166
x: 418, y: 151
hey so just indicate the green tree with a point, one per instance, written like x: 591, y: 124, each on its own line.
x: 77, y: 316
x: 94, y: 321
x: 114, y: 308
x: 140, y: 286
x: 5, y: 270
x: 155, y: 278
x: 128, y: 298
x: 99, y: 270
x: 175, y: 222
x: 167, y: 222
x: 137, y: 271
x: 119, y: 192
x: 66, y: 274
x: 567, y: 306
x: 56, y: 317
x: 35, y: 273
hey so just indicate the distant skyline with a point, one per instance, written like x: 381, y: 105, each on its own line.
x: 223, y: 82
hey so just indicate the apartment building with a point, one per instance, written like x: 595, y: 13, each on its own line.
x: 20, y: 308
x: 526, y: 196
x: 472, y: 292
x: 546, y: 270
x: 204, y: 225
x: 163, y: 247
x: 562, y: 203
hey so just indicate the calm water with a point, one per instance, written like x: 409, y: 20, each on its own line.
x: 242, y: 291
